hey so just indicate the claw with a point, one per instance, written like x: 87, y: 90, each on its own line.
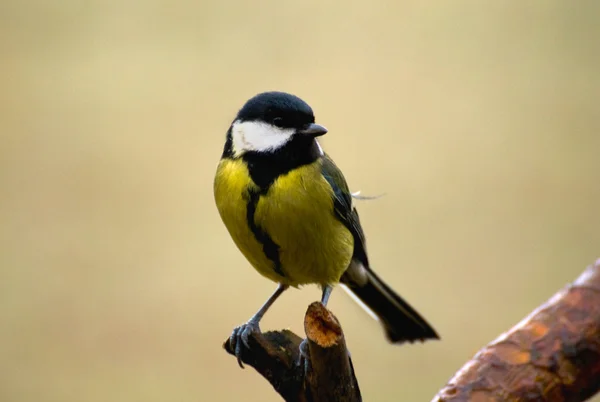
x: 304, y: 360
x: 246, y: 332
x: 240, y: 336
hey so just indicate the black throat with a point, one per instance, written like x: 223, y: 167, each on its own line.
x: 266, y: 167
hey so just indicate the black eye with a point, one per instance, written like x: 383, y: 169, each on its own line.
x: 278, y: 121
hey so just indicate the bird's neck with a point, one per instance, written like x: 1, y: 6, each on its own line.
x: 265, y: 168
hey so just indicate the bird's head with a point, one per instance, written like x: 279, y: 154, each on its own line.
x: 271, y: 121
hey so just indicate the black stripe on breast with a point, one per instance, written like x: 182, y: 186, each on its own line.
x: 270, y: 248
x: 264, y: 169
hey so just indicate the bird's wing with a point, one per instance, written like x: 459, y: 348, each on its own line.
x: 343, y: 208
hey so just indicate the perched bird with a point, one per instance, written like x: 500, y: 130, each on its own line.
x: 289, y: 211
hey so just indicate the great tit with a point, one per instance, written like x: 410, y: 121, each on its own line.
x: 289, y: 211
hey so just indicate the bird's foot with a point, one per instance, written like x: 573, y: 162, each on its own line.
x: 239, y: 338
x: 304, y: 357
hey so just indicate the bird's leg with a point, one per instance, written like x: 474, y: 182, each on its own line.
x: 240, y: 334
x: 326, y: 293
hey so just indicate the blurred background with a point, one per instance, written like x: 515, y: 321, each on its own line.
x: 118, y: 281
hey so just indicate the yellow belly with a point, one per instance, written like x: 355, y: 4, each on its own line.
x: 297, y: 214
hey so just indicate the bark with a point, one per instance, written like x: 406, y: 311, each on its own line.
x: 324, y: 372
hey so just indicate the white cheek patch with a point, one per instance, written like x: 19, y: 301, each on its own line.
x: 258, y: 136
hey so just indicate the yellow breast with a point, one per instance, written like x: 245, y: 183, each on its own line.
x: 296, y: 213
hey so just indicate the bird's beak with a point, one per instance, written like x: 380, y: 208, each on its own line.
x: 314, y: 130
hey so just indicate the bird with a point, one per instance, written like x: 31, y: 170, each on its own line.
x: 289, y: 211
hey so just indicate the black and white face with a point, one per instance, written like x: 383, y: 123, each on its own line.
x: 271, y: 120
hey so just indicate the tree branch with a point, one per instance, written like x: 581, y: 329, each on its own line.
x: 552, y: 355
x: 324, y: 371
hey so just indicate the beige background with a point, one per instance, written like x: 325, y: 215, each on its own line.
x: 118, y: 282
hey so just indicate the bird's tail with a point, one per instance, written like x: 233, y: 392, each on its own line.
x: 401, y: 322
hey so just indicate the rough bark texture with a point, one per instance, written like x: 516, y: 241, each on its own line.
x: 551, y: 355
x: 325, y: 373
